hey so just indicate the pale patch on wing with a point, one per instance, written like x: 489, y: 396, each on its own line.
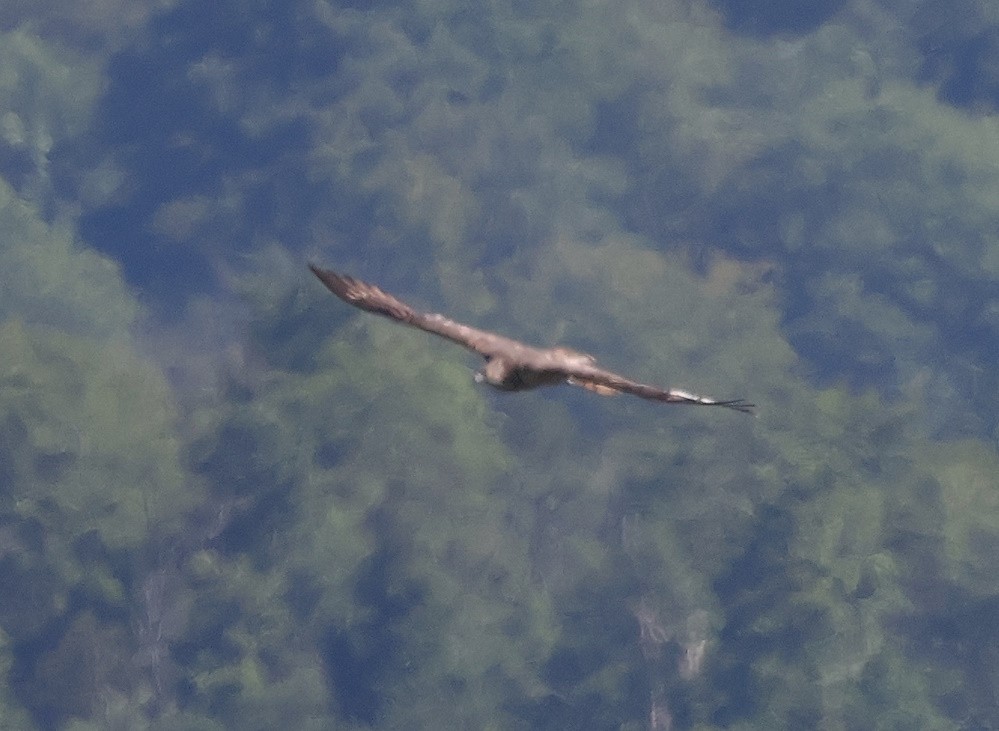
x: 595, y: 387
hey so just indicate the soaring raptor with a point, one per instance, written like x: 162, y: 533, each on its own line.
x: 511, y: 365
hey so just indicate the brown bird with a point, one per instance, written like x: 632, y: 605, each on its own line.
x: 511, y: 365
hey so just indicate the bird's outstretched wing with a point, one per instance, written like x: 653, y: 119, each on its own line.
x: 608, y: 383
x: 369, y: 297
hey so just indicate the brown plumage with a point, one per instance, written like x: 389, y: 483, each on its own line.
x: 510, y: 364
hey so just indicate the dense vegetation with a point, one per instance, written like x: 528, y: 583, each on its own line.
x: 229, y: 501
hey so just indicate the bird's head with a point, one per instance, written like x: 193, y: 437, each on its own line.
x: 497, y: 373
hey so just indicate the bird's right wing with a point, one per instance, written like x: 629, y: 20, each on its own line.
x: 369, y: 297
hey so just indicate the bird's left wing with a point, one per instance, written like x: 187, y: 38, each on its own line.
x: 606, y: 382
x: 372, y: 299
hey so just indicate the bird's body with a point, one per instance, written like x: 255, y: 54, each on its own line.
x: 510, y: 364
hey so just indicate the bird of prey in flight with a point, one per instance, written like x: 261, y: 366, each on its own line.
x: 510, y: 364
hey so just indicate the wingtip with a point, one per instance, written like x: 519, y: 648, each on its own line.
x: 332, y: 280
x: 740, y: 405
x: 676, y: 395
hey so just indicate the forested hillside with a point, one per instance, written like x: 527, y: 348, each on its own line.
x: 230, y: 501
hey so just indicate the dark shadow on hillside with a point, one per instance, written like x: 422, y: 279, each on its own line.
x: 167, y: 132
x: 776, y: 17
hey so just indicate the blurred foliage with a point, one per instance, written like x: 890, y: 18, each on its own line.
x: 235, y: 502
